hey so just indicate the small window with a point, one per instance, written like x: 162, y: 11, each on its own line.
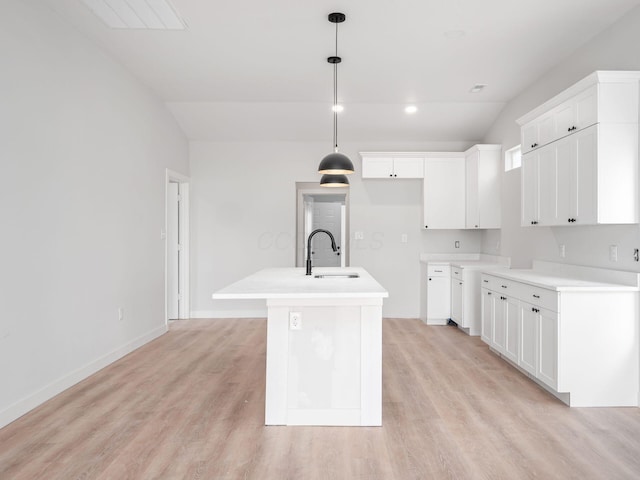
x: 512, y: 158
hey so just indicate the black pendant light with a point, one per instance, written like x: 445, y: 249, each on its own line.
x: 333, y: 180
x: 335, y: 166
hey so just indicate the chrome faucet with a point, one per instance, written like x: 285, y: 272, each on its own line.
x: 333, y: 246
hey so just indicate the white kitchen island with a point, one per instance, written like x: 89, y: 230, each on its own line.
x: 324, y: 344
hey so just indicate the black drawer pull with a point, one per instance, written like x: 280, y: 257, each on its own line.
x: 536, y: 296
x: 503, y: 286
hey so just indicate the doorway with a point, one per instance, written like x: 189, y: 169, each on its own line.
x: 318, y: 208
x: 176, y: 236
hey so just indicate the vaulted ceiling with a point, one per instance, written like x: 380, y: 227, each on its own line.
x: 256, y: 70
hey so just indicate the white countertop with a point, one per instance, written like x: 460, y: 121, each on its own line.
x: 465, y: 260
x: 559, y: 283
x: 293, y: 283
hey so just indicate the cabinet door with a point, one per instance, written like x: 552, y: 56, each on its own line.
x: 512, y: 323
x: 408, y: 167
x: 577, y: 173
x: 486, y: 333
x: 490, y: 167
x: 577, y: 113
x: 527, y: 353
x: 499, y: 324
x: 547, y: 367
x: 457, y: 295
x: 438, y: 298
x: 472, y: 199
x: 547, y: 185
x: 584, y: 197
x: 529, y: 136
x: 443, y: 193
x: 377, y: 167
x: 529, y: 189
x: 586, y: 108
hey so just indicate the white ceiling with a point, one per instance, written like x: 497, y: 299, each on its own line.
x: 257, y: 70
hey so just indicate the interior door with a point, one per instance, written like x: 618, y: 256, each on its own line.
x: 173, y: 251
x: 328, y: 216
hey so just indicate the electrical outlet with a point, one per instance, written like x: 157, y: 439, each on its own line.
x: 613, y: 253
x: 563, y: 251
x: 359, y: 235
x: 457, y: 244
x: 120, y: 313
x: 295, y: 320
x: 404, y: 238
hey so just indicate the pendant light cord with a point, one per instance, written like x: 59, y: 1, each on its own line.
x: 335, y: 98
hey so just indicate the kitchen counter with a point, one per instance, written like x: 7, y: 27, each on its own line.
x: 324, y: 344
x: 272, y: 283
x: 560, y: 283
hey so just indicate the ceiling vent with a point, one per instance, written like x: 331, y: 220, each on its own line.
x: 477, y: 88
x: 137, y: 14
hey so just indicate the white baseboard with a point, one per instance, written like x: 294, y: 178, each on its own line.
x: 257, y: 313
x: 15, y: 411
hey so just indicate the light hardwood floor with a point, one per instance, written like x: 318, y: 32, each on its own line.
x: 190, y: 405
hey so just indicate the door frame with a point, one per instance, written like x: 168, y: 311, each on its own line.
x: 183, y: 263
x: 313, y: 188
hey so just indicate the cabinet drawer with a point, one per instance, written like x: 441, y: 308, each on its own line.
x: 506, y: 287
x: 488, y: 282
x: 456, y: 272
x: 540, y: 297
x: 438, y: 270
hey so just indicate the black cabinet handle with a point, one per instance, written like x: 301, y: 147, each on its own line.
x: 485, y: 281
x: 534, y: 309
x: 488, y: 293
x: 426, y: 226
x: 536, y: 296
x: 391, y: 174
x: 534, y: 145
x: 429, y: 279
x: 503, y: 286
x: 395, y: 175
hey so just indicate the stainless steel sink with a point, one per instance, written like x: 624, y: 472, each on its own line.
x: 337, y: 275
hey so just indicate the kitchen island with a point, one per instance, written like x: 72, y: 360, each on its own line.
x: 324, y: 344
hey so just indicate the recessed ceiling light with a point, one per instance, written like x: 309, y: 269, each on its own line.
x: 410, y: 109
x: 137, y: 14
x: 477, y: 88
x: 337, y: 108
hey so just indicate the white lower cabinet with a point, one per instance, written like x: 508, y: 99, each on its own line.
x: 438, y: 294
x: 488, y: 310
x: 547, y: 361
x: 579, y: 341
x: 457, y: 301
x: 528, y: 348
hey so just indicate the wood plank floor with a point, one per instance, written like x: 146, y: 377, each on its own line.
x: 190, y: 405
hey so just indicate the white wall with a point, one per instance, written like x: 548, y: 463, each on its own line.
x: 244, y: 213
x: 613, y: 49
x: 84, y: 148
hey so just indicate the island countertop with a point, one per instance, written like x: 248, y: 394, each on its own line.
x: 273, y: 283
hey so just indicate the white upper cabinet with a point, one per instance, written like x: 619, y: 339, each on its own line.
x: 483, y: 169
x: 587, y: 173
x: 444, y: 192
x: 390, y: 165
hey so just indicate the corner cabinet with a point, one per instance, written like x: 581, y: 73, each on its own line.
x: 390, y: 165
x: 580, y: 154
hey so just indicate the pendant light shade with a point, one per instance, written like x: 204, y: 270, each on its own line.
x: 328, y: 180
x: 335, y: 165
